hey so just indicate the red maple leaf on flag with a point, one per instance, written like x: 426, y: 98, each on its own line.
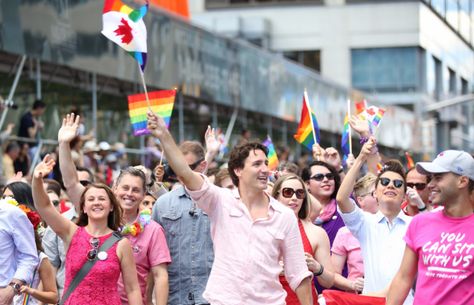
x: 370, y: 111
x: 125, y: 30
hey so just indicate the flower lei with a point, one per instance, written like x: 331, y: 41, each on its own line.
x: 139, y: 225
x: 33, y: 216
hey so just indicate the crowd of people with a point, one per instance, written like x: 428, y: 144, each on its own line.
x: 192, y: 231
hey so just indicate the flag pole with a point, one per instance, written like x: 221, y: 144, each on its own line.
x: 350, y: 129
x: 306, y: 100
x: 142, y: 75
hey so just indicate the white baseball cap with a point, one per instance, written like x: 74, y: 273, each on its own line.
x: 455, y: 161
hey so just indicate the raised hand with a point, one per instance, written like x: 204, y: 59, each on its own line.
x: 368, y: 148
x: 212, y: 144
x: 318, y: 152
x: 414, y: 198
x: 159, y: 172
x: 44, y: 167
x: 155, y: 124
x: 68, y: 130
x: 360, y: 125
x: 333, y: 157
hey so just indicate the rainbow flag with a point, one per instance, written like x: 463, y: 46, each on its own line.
x: 124, y: 26
x: 410, y: 162
x: 374, y: 115
x: 345, y: 139
x: 161, y: 103
x: 272, y: 155
x: 304, y: 134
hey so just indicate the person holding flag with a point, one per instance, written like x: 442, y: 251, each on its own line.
x: 251, y: 231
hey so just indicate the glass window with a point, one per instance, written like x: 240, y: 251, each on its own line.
x: 439, y: 6
x: 452, y: 13
x: 465, y: 19
x: 310, y: 59
x: 452, y: 82
x: 386, y: 69
x: 430, y: 75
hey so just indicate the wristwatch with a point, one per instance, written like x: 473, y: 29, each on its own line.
x: 16, y: 287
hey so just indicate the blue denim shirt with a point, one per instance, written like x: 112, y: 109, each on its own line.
x: 187, y: 231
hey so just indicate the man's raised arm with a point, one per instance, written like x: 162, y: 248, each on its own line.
x: 66, y: 133
x: 192, y: 180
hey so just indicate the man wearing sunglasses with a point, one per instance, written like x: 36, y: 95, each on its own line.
x: 440, y: 245
x: 187, y: 233
x: 417, y: 195
x: 381, y: 234
x: 251, y: 231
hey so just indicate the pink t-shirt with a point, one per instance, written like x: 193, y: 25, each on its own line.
x: 149, y: 249
x: 345, y: 244
x: 445, y: 248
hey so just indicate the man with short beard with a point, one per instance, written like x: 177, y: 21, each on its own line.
x: 440, y: 245
x: 251, y: 231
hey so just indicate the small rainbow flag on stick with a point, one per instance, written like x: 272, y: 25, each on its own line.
x: 345, y: 139
x: 308, y: 129
x: 161, y: 103
x: 272, y: 155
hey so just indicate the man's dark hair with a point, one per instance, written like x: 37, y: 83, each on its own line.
x: 38, y: 104
x: 85, y: 169
x: 134, y: 172
x: 239, y: 154
x: 393, y: 166
x: 53, y: 186
x: 428, y: 177
x: 12, y: 146
x: 306, y: 175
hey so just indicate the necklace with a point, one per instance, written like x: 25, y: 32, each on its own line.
x: 138, y: 225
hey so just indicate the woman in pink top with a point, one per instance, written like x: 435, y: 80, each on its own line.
x: 291, y: 191
x: 99, y: 217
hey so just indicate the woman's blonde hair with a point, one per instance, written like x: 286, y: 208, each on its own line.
x: 363, y: 184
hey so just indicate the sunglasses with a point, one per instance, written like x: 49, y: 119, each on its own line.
x: 84, y: 182
x: 419, y: 186
x: 195, y: 164
x: 396, y: 182
x: 320, y: 177
x: 289, y: 192
x: 92, y: 254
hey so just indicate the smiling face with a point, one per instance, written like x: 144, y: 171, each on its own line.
x: 390, y: 196
x: 129, y: 192
x: 97, y: 204
x: 321, y: 189
x: 443, y: 188
x: 254, y: 174
x: 292, y: 202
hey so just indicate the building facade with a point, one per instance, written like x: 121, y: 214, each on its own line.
x: 406, y: 53
x: 228, y: 83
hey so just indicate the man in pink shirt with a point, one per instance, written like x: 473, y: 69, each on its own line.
x: 440, y: 245
x: 251, y: 231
